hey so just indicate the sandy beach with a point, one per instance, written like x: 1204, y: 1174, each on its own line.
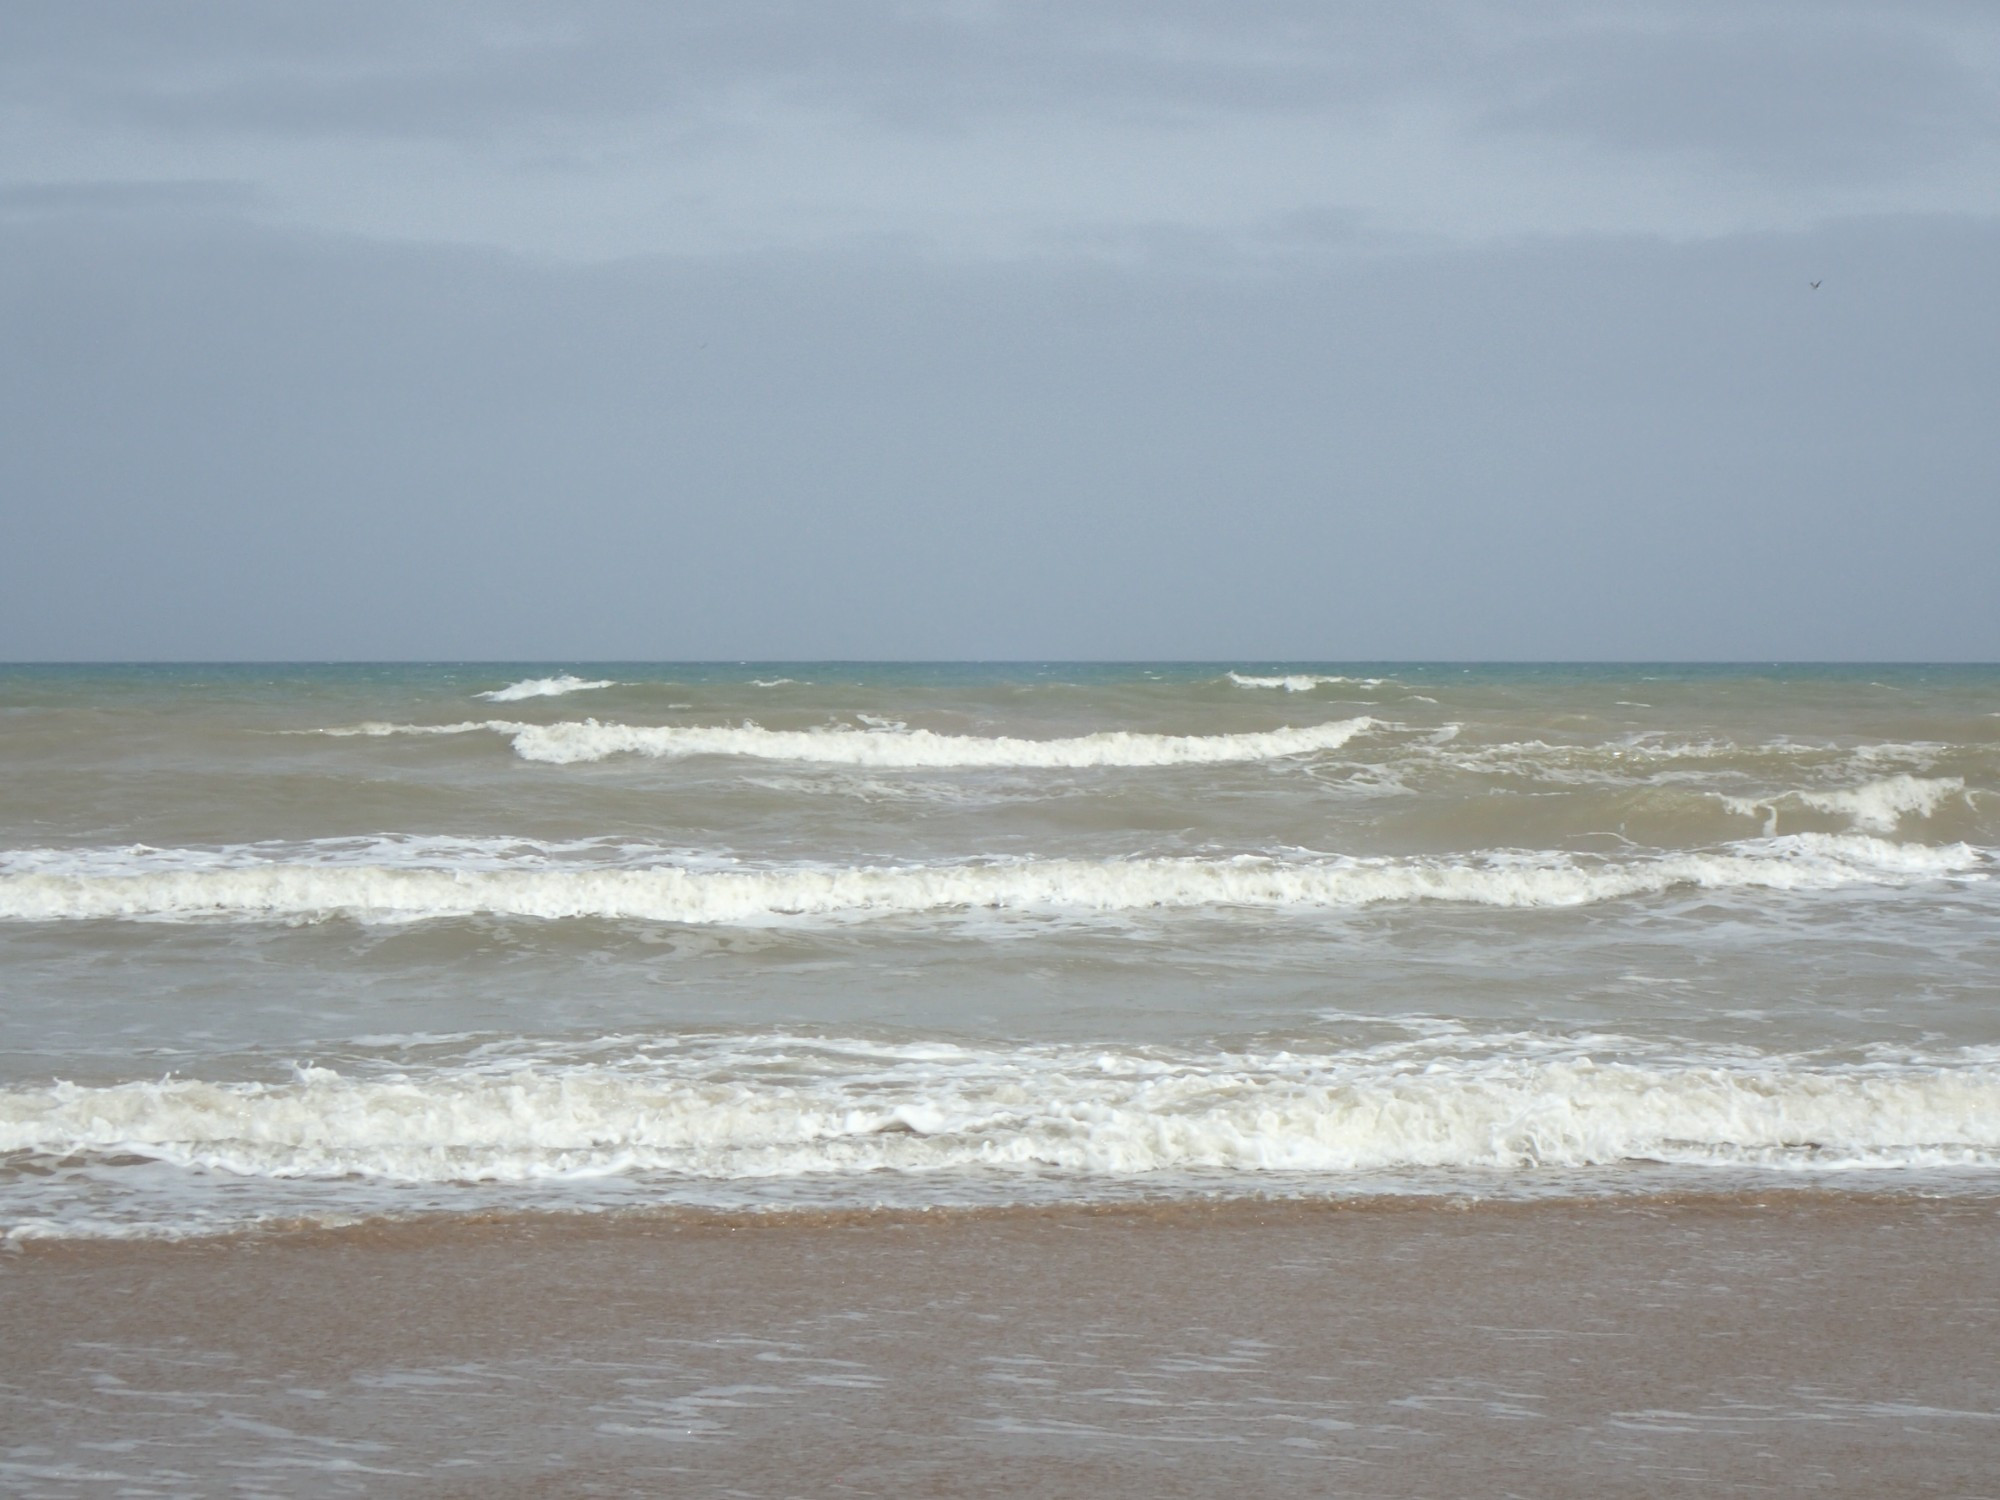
x: 1775, y: 1344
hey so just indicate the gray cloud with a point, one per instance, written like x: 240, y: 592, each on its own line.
x: 999, y: 329
x: 231, y: 442
x: 1765, y: 79
x: 1803, y: 99
x: 1015, y: 126
x: 141, y: 197
x: 457, y: 71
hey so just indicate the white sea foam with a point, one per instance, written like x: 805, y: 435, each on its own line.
x: 1303, y: 682
x: 1880, y: 805
x: 174, y: 889
x: 542, y: 687
x: 1874, y: 807
x: 382, y: 729
x: 578, y: 741
x: 1614, y: 759
x: 564, y: 744
x: 389, y: 850
x: 808, y: 1108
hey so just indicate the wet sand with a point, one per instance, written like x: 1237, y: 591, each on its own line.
x: 1794, y: 1344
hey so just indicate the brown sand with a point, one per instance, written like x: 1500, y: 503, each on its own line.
x: 1797, y: 1345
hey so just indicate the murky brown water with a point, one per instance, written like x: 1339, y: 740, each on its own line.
x: 319, y: 942
x: 1796, y: 1345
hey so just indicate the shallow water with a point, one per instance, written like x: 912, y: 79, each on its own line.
x: 1786, y: 1343
x: 326, y: 942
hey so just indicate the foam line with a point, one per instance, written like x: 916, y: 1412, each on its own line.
x: 180, y: 890
x: 575, y: 742
x: 1099, y: 1113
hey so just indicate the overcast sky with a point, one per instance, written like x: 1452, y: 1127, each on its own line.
x: 1275, y: 330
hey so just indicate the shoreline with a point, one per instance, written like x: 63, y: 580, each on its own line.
x: 1807, y: 1342
x: 428, y: 1224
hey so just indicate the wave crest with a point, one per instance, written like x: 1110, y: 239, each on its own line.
x: 171, y: 890
x: 1303, y: 682
x: 1874, y: 807
x: 543, y: 687
x: 575, y: 742
x: 1096, y: 1114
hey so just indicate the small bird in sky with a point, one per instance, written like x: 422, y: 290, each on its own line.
x: 1813, y: 284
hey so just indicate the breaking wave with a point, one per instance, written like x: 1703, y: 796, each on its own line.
x: 800, y: 1107
x: 542, y: 687
x: 1303, y: 682
x: 173, y: 886
x: 579, y: 741
x: 1875, y: 807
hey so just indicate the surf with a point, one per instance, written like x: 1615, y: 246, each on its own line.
x: 847, y: 1110
x: 578, y: 742
x: 175, y: 885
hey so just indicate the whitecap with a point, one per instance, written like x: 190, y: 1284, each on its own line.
x: 761, y: 1109
x: 578, y: 741
x: 543, y: 687
x: 171, y: 888
x: 1873, y: 807
x: 1303, y: 682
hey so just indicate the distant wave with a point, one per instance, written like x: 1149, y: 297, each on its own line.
x: 574, y: 742
x: 168, y: 886
x: 542, y: 687
x: 718, y: 1112
x: 1299, y: 682
x: 406, y: 851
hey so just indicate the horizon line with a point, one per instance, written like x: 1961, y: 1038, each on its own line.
x: 1002, y: 661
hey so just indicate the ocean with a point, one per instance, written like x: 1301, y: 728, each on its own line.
x: 290, y: 945
x: 432, y: 954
